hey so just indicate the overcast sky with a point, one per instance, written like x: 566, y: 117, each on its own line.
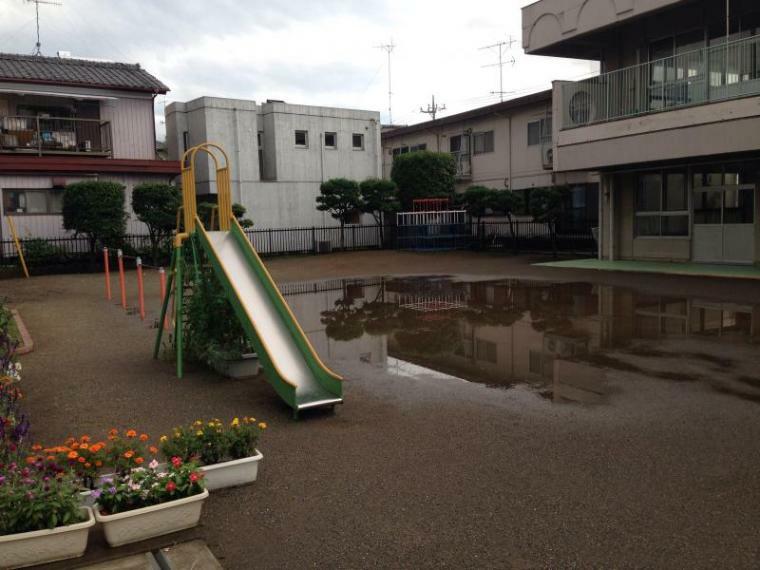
x: 302, y: 51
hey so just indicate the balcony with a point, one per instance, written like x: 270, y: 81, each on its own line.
x: 42, y: 135
x: 463, y: 162
x: 708, y: 75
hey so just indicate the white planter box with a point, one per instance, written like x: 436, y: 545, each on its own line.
x: 245, y: 367
x: 43, y: 546
x: 156, y: 520
x: 232, y: 473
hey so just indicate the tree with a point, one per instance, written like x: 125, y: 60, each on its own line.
x: 379, y: 197
x: 238, y: 210
x: 480, y: 201
x: 424, y: 174
x: 339, y: 197
x: 156, y: 205
x: 548, y: 205
x: 95, y: 209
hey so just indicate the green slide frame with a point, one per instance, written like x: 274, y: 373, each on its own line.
x: 325, y: 378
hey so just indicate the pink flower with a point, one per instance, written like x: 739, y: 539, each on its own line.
x: 194, y: 477
x: 171, y: 486
x: 176, y: 461
x: 153, y: 464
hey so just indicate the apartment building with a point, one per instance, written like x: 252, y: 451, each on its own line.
x: 64, y: 120
x: 672, y: 124
x: 280, y: 152
x: 507, y: 146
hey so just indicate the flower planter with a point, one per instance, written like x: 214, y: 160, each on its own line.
x: 232, y: 473
x: 156, y: 520
x: 43, y: 546
x: 86, y: 498
x: 245, y: 367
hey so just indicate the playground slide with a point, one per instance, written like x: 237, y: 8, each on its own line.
x: 286, y: 355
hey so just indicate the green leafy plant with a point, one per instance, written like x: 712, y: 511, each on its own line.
x: 481, y: 201
x: 95, y: 209
x: 423, y: 174
x: 156, y: 206
x: 38, y: 496
x: 205, y: 210
x: 548, y: 205
x: 379, y: 197
x: 38, y: 252
x: 213, y: 442
x: 339, y: 197
x: 143, y: 487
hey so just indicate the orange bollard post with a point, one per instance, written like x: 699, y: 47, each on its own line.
x: 107, y: 270
x: 122, y: 284
x: 140, y: 289
x: 162, y: 284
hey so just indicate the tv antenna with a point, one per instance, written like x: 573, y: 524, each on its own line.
x: 432, y: 108
x: 389, y: 49
x: 502, y: 47
x: 38, y: 45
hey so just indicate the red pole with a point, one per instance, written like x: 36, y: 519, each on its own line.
x: 162, y: 282
x: 140, y: 289
x: 122, y: 284
x: 108, y: 273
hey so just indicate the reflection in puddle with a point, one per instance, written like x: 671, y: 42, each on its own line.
x: 565, y: 341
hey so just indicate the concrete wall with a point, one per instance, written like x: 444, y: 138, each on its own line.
x: 550, y: 22
x: 280, y: 192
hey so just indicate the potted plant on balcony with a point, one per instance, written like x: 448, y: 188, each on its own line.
x: 227, y: 453
x: 41, y: 519
x: 146, y: 502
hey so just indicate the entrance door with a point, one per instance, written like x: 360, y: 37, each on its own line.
x: 724, y: 224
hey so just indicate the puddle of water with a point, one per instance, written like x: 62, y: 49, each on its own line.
x: 564, y: 341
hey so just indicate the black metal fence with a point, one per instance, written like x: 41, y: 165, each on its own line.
x: 72, y: 254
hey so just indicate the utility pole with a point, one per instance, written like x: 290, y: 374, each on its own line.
x: 500, y: 47
x: 38, y: 45
x: 432, y: 109
x: 389, y: 49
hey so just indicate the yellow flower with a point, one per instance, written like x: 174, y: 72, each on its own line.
x: 236, y: 422
x: 163, y: 439
x: 199, y: 432
x: 263, y: 425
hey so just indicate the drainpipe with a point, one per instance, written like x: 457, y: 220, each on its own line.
x: 600, y: 217
x: 612, y: 217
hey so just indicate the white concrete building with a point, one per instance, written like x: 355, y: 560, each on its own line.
x: 280, y: 153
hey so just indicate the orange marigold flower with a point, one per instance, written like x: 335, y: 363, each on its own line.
x: 98, y: 463
x: 36, y: 447
x: 143, y: 437
x: 153, y: 449
x: 81, y: 459
x: 31, y: 459
x: 113, y: 432
x: 88, y: 465
x: 84, y: 446
x: 85, y: 439
x: 51, y: 457
x: 73, y: 455
x: 75, y: 445
x: 131, y: 433
x: 128, y: 454
x: 139, y: 460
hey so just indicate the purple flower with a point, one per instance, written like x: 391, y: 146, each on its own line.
x: 2, y: 479
x: 96, y: 493
x: 29, y: 495
x: 112, y: 490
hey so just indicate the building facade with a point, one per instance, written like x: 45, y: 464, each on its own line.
x: 672, y: 124
x: 65, y: 120
x: 506, y: 146
x: 279, y: 153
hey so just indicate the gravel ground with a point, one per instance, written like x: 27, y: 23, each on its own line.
x: 420, y: 472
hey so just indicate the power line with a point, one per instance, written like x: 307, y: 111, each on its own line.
x: 389, y: 49
x: 432, y: 109
x: 499, y: 46
x: 38, y: 45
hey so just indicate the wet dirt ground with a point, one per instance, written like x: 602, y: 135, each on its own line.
x: 507, y: 416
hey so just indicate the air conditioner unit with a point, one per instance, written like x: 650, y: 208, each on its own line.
x: 547, y: 157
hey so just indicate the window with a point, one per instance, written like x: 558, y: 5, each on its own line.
x: 331, y: 140
x: 416, y: 147
x: 400, y: 150
x: 357, y: 140
x: 662, y: 206
x: 33, y: 201
x: 185, y: 141
x: 540, y: 131
x: 455, y: 143
x: 485, y: 351
x: 483, y: 142
x: 302, y: 139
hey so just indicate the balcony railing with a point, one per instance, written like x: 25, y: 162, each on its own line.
x: 55, y: 135
x: 463, y: 161
x: 715, y: 73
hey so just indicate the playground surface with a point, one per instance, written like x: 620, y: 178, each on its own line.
x: 423, y: 470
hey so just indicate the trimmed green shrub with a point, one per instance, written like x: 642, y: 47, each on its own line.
x: 424, y: 174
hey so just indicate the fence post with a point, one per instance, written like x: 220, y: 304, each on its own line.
x: 140, y: 289
x: 122, y: 284
x: 353, y: 237
x: 107, y: 269
x: 162, y: 285
x: 269, y: 231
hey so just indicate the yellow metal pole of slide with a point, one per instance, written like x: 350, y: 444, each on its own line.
x: 12, y: 226
x: 223, y: 187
